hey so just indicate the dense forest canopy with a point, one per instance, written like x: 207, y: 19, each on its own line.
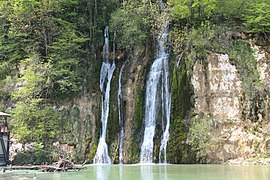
x: 49, y: 48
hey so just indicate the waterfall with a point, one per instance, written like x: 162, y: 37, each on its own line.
x: 158, y: 74
x: 120, y: 114
x: 106, y: 73
x: 166, y: 110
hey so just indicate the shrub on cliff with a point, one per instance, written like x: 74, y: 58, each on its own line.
x: 257, y: 18
x: 131, y: 24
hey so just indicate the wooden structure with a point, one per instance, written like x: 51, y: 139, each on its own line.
x: 61, y: 165
x: 4, y: 139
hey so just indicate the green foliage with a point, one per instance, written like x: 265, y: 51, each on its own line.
x: 257, y: 17
x: 131, y: 24
x: 33, y: 78
x: 32, y: 122
x: 31, y: 112
x: 66, y: 72
x: 231, y: 10
x: 33, y: 155
x: 194, y: 11
x: 42, y: 59
x: 199, y: 135
x: 31, y: 27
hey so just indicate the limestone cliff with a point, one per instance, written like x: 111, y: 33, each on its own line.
x: 133, y: 94
x: 219, y: 103
x: 80, y: 122
x: 217, y: 88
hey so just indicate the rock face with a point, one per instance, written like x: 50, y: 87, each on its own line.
x: 80, y: 120
x: 237, y: 125
x: 81, y: 116
x: 217, y: 88
x: 262, y: 55
x: 234, y: 140
x: 133, y: 91
x: 218, y: 94
x: 263, y: 63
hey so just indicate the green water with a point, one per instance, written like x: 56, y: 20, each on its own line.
x: 150, y: 172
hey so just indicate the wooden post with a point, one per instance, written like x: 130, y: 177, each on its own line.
x: 3, y: 157
x: 4, y: 139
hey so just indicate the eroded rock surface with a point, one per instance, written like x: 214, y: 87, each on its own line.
x: 217, y: 88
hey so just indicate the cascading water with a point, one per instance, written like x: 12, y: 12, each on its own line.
x: 120, y: 114
x: 158, y: 74
x: 106, y: 73
x: 166, y: 110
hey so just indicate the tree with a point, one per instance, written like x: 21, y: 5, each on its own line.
x: 192, y: 11
x: 33, y: 119
x: 64, y: 56
x: 131, y: 25
x: 231, y: 10
x: 257, y: 17
x: 41, y: 44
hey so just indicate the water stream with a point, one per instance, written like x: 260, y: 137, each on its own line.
x: 158, y: 74
x: 106, y: 74
x: 120, y: 114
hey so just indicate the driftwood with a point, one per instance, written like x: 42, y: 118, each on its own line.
x: 61, y: 165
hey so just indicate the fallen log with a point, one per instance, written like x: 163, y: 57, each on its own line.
x: 61, y: 165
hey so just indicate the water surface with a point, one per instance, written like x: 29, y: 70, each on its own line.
x: 150, y: 172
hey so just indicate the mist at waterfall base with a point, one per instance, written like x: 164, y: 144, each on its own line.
x: 150, y: 172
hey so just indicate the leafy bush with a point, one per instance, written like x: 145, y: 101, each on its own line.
x: 131, y: 24
x: 199, y: 136
x: 194, y: 12
x: 35, y: 155
x: 33, y: 119
x: 32, y: 122
x: 230, y: 10
x: 257, y: 17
